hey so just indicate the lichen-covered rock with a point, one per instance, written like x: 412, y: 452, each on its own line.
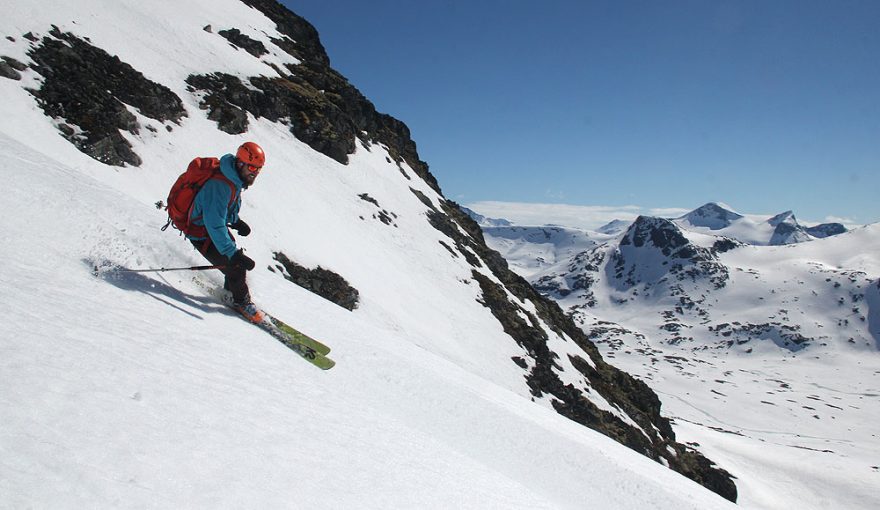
x: 88, y: 88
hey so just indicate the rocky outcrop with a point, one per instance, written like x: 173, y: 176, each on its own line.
x: 653, y: 249
x: 91, y: 92
x: 11, y: 68
x: 788, y: 233
x: 318, y: 104
x: 826, y: 230
x: 239, y: 40
x: 320, y: 281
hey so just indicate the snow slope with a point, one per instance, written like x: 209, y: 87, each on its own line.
x: 137, y: 390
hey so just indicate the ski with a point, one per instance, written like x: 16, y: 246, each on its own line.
x: 298, y: 335
x: 307, y: 347
x: 294, y: 343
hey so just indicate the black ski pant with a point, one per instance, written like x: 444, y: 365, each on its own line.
x: 236, y: 276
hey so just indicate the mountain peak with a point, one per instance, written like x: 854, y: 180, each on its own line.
x: 660, y: 232
x: 614, y: 227
x: 485, y: 221
x: 713, y: 215
x: 783, y: 217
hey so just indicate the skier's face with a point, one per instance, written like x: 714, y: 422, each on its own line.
x: 248, y: 173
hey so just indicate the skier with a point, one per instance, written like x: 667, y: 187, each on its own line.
x: 216, y: 207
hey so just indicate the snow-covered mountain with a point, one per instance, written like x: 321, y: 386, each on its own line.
x: 766, y: 356
x: 457, y: 385
x: 783, y: 228
x: 712, y: 216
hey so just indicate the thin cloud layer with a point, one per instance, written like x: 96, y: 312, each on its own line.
x: 588, y: 217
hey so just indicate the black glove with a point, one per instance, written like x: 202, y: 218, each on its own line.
x: 239, y: 259
x: 241, y: 227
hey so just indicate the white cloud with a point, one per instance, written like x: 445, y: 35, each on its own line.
x: 587, y: 217
x: 591, y: 217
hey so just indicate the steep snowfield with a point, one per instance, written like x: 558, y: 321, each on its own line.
x: 137, y: 390
x: 796, y: 423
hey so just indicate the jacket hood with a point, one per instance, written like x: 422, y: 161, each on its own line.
x: 227, y: 166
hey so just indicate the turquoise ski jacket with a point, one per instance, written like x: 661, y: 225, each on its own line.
x: 215, y: 208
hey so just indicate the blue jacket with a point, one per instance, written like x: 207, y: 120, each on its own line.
x: 212, y: 209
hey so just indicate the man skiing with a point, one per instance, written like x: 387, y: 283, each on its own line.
x: 216, y: 208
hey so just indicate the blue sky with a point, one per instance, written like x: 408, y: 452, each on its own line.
x: 763, y: 105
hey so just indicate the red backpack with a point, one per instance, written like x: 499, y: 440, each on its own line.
x: 183, y: 194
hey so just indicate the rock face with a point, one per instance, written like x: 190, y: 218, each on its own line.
x: 318, y: 104
x: 654, y: 250
x: 239, y: 40
x: 787, y: 230
x: 789, y: 233
x: 826, y: 230
x: 91, y: 91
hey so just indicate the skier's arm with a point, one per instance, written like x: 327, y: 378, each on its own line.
x: 215, y: 197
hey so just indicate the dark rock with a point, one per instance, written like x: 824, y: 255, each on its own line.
x: 89, y: 88
x: 367, y: 198
x: 303, y: 42
x: 826, y: 230
x: 684, y: 260
x: 724, y: 245
x: 320, y: 281
x: 383, y: 215
x: 312, y: 118
x: 31, y: 37
x: 224, y: 100
x: 6, y: 71
x: 15, y: 64
x: 332, y: 112
x: 239, y: 40
x: 208, y: 28
x: 788, y: 233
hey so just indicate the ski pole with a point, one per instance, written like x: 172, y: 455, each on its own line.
x: 163, y: 269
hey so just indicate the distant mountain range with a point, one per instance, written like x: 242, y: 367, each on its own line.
x: 781, y: 229
x: 727, y: 316
x: 712, y: 218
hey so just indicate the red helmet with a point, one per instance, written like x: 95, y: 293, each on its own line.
x: 251, y: 154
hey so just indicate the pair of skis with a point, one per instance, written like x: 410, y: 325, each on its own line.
x: 307, y: 347
x: 310, y: 349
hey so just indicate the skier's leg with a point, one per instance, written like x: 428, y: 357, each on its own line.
x: 236, y: 277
